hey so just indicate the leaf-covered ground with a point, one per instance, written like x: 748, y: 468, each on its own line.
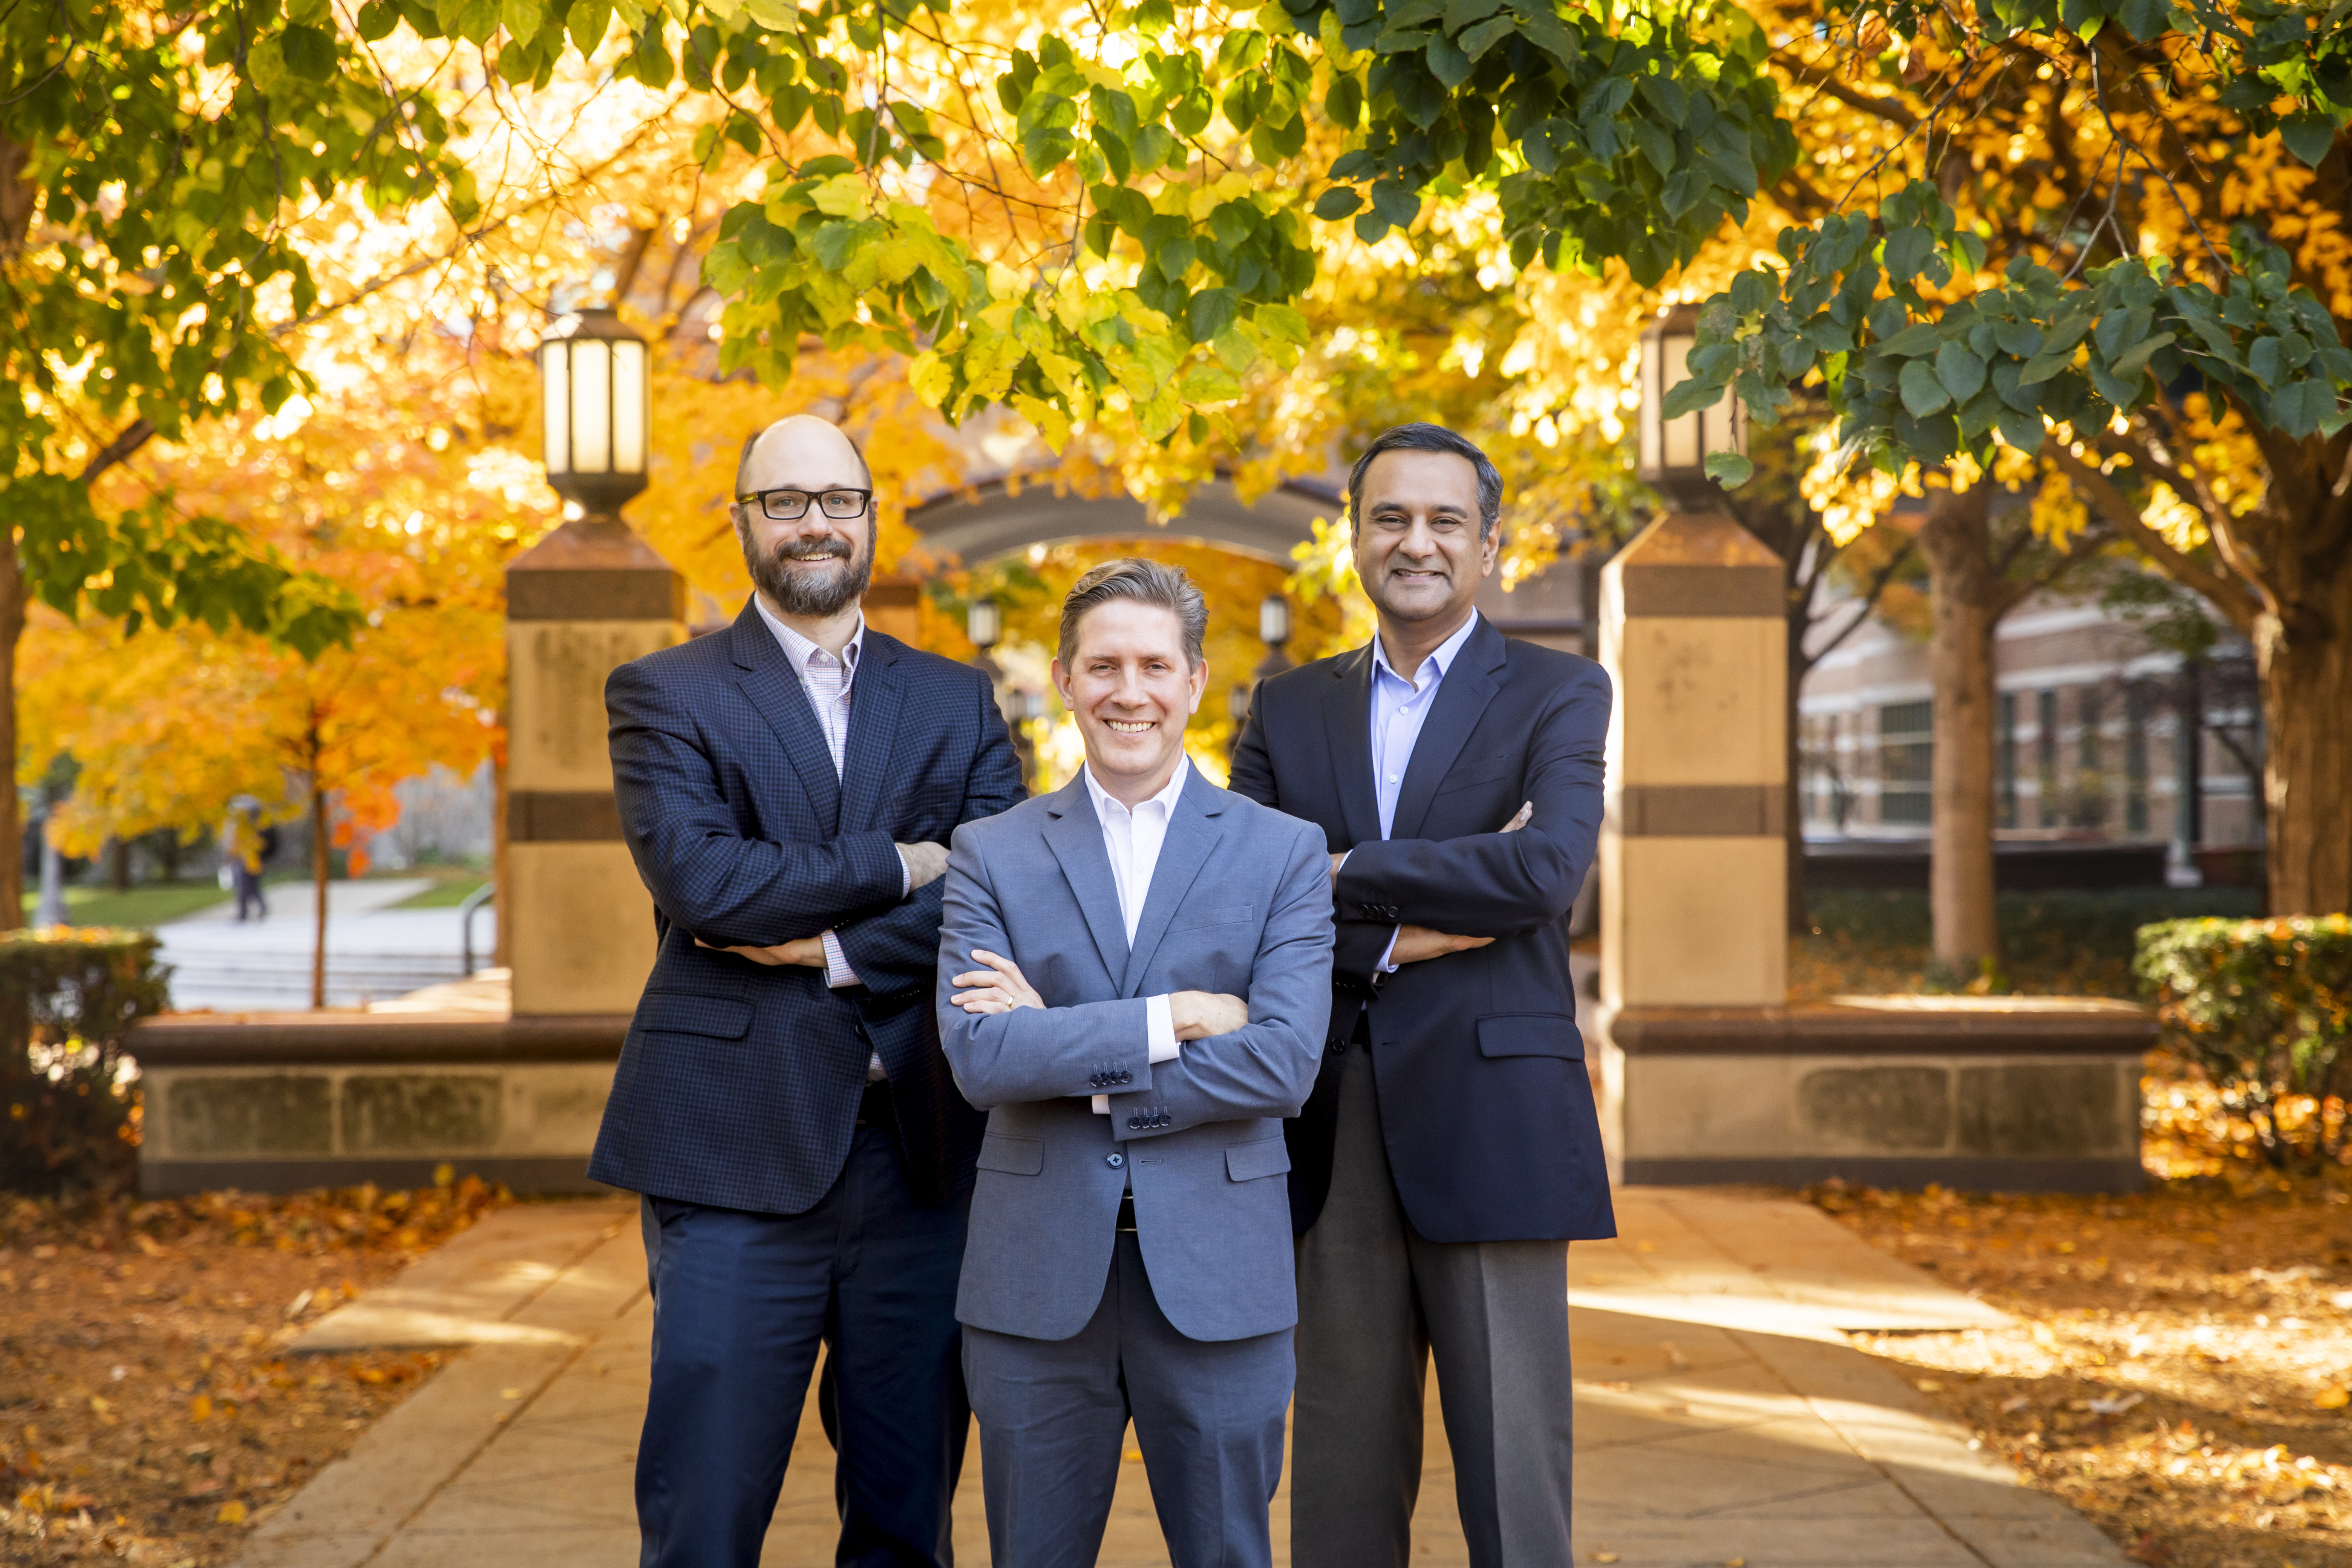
x: 2181, y: 1366
x: 148, y: 1411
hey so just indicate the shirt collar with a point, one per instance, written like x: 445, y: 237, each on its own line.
x: 1442, y: 658
x: 1167, y: 797
x: 797, y: 647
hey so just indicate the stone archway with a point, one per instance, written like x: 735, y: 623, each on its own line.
x: 996, y: 523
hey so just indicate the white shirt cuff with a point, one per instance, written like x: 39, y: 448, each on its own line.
x: 1388, y: 953
x: 1161, y: 1044
x: 1159, y: 1032
x: 837, y: 973
x: 905, y: 873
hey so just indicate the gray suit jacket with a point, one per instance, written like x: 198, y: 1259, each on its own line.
x: 1240, y: 903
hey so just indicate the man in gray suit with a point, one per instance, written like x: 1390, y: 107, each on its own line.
x: 1130, y: 1251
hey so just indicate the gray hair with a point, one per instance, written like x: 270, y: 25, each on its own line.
x: 1422, y: 437
x: 1146, y: 583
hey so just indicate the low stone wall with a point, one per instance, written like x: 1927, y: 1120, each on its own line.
x: 274, y: 1103
x: 1985, y: 1094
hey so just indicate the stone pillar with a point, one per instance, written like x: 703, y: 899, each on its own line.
x: 1693, y: 876
x: 577, y: 922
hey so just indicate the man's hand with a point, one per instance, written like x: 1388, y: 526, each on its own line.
x: 1414, y: 943
x: 1197, y: 1014
x: 1337, y: 861
x: 1527, y: 813
x: 998, y: 988
x: 925, y: 863
x: 808, y: 952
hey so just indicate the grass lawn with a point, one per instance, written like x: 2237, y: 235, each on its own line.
x: 451, y: 887
x: 2052, y: 945
x: 148, y: 904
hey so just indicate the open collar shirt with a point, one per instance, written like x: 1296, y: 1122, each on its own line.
x: 1132, y: 839
x: 1400, y: 708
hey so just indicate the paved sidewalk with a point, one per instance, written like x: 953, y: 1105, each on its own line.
x: 1721, y: 1416
x: 372, y: 949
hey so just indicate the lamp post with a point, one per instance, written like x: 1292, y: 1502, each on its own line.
x: 1674, y: 452
x: 1274, y: 630
x: 574, y: 920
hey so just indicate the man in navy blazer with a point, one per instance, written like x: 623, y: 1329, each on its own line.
x: 787, y: 788
x: 1451, y: 1150
x: 1134, y: 972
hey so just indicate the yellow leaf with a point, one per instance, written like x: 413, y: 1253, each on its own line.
x: 843, y: 196
x: 930, y: 376
x: 2333, y: 1398
x: 231, y: 1513
x: 98, y: 1404
x: 200, y: 1408
x: 1052, y: 425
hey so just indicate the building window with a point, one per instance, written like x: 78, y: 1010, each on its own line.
x: 2009, y: 759
x: 2090, y: 778
x: 2045, y: 757
x: 2135, y: 760
x: 1906, y: 761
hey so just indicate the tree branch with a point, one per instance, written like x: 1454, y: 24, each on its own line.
x: 1823, y: 79
x: 134, y: 435
x: 2226, y: 594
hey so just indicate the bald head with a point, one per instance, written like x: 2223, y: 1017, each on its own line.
x: 803, y: 452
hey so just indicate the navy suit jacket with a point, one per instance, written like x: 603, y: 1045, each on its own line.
x: 1485, y: 1102
x: 738, y: 1084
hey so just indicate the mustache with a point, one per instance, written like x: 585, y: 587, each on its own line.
x: 828, y: 546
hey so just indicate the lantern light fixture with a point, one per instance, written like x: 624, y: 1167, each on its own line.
x: 596, y: 411
x: 1674, y: 452
x: 983, y: 623
x: 1273, y: 621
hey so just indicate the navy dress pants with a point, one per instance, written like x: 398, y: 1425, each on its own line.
x: 740, y: 1303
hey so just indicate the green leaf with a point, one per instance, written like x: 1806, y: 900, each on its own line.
x: 1447, y: 63
x: 1208, y: 383
x: 1958, y: 372
x: 2020, y: 430
x: 1728, y: 468
x: 1912, y: 342
x: 2133, y: 360
x: 2022, y: 339
x: 522, y: 19
x: 1907, y: 250
x: 1487, y: 34
x: 1460, y: 14
x: 1656, y: 146
x: 1922, y: 393
x: 2301, y: 405
x: 2308, y: 135
x: 2267, y: 361
x: 1338, y: 202
x: 2042, y: 366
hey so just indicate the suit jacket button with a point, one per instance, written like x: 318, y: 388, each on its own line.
x: 1134, y: 1123
x: 1126, y: 1075
x: 1339, y: 1047
x: 1114, y: 1159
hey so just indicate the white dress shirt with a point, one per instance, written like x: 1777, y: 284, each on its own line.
x: 827, y: 680
x: 1400, y: 708
x: 1131, y: 840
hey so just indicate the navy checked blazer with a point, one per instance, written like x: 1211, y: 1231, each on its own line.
x: 740, y: 1082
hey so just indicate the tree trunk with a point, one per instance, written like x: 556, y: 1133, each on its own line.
x: 1966, y: 602
x: 12, y: 818
x: 318, y: 883
x: 117, y: 864
x: 2305, y: 662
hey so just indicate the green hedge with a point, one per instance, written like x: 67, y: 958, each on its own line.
x: 2264, y: 1007
x: 68, y: 999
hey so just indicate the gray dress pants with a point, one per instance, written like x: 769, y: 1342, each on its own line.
x: 1208, y: 1416
x: 1375, y: 1299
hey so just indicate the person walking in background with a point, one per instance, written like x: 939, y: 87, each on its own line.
x: 1451, y: 1149
x: 245, y: 846
x: 1131, y: 1227
x: 787, y: 788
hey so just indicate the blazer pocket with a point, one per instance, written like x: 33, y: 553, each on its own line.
x: 1263, y: 1157
x: 1229, y: 915
x: 1530, y: 1034
x: 1495, y: 773
x: 684, y: 1013
x: 1013, y: 1156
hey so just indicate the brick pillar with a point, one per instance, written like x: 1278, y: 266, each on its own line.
x: 579, y: 925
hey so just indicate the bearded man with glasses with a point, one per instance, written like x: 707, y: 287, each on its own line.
x: 788, y: 788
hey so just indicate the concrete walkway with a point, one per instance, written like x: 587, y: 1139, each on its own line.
x: 1721, y: 1417
x: 372, y: 949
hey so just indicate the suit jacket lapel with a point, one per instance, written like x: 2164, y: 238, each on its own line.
x: 774, y: 688
x: 875, y: 696
x: 1075, y: 835
x: 1461, y: 700
x: 1193, y: 832
x: 1348, y: 724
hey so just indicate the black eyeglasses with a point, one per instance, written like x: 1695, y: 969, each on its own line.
x: 791, y: 506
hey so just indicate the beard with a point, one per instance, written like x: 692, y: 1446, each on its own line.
x: 812, y: 594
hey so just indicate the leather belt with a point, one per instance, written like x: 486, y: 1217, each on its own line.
x: 874, y: 1108
x: 1125, y: 1211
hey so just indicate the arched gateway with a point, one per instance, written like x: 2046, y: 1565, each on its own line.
x: 995, y: 521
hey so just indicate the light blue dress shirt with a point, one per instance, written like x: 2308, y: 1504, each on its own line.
x: 1400, y: 708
